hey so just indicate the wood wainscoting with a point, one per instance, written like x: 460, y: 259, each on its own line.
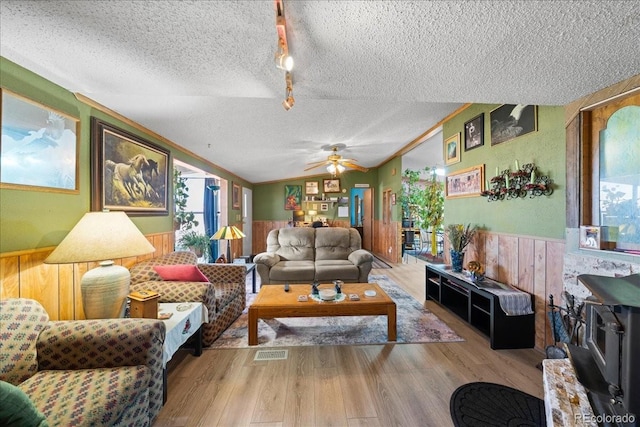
x: 23, y: 274
x: 532, y: 264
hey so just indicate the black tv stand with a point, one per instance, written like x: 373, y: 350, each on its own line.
x: 480, y: 308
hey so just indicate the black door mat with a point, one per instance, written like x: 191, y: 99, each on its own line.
x: 481, y: 404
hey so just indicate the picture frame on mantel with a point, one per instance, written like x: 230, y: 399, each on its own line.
x: 128, y: 173
x: 35, y: 134
x: 452, y: 149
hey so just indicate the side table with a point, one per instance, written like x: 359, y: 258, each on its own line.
x: 186, y: 321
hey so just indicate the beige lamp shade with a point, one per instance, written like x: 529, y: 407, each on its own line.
x: 102, y: 236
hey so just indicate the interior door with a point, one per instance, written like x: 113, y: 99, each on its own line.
x: 367, y: 220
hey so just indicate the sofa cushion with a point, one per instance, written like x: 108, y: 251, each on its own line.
x: 292, y: 244
x: 16, y: 409
x: 329, y: 270
x: 22, y: 321
x: 292, y: 271
x: 180, y: 272
x: 336, y: 243
x: 90, y: 396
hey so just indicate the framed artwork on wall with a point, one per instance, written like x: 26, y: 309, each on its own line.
x: 331, y: 185
x: 465, y: 183
x: 324, y: 207
x: 511, y: 121
x: 128, y: 173
x: 311, y: 187
x: 235, y: 196
x: 452, y: 149
x: 474, y: 133
x: 39, y: 146
x: 590, y: 237
x: 292, y: 197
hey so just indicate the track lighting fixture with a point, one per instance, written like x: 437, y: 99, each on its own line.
x: 288, y: 97
x: 283, y: 60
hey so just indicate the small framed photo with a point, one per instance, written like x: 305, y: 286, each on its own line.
x: 235, y: 199
x: 474, y: 133
x: 590, y: 236
x: 324, y: 207
x: 452, y: 149
x: 331, y: 185
x: 311, y: 187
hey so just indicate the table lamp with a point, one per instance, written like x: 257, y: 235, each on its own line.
x: 228, y: 233
x: 102, y: 236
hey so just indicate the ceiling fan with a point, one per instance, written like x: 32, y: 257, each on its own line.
x: 335, y: 163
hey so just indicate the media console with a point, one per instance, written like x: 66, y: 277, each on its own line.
x: 481, y: 308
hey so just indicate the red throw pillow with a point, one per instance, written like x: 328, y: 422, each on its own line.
x: 180, y: 273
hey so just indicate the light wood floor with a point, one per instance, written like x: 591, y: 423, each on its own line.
x: 368, y: 385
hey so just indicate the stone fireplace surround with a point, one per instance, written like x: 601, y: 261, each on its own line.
x: 590, y: 261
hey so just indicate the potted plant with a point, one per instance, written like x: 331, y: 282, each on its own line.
x: 423, y: 202
x: 459, y: 237
x: 184, y: 220
x: 196, y: 242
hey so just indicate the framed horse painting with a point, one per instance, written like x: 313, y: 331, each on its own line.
x: 128, y: 173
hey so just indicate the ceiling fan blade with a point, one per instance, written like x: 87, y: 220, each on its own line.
x: 354, y: 166
x: 315, y: 166
x: 322, y: 162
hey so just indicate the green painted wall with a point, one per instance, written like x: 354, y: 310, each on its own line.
x: 540, y: 216
x: 268, y: 198
x: 35, y: 219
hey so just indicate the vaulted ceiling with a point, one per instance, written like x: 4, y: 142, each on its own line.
x: 374, y: 75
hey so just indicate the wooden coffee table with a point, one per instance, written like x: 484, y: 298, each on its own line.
x: 273, y: 302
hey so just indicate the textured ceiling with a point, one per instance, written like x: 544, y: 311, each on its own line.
x: 373, y: 75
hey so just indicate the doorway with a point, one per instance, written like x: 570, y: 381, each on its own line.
x: 362, y: 215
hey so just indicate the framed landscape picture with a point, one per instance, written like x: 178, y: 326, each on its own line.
x: 465, y: 183
x: 474, y: 133
x: 511, y: 121
x: 452, y: 149
x: 128, y: 173
x: 39, y: 146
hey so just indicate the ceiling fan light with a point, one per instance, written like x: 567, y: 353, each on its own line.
x: 331, y: 168
x: 340, y: 168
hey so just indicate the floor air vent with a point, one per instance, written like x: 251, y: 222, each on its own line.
x: 271, y: 355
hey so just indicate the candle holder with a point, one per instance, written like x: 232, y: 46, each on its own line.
x: 517, y: 184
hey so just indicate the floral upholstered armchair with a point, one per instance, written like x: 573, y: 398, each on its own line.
x: 177, y: 277
x: 81, y: 372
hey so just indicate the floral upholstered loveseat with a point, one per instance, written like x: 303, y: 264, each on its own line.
x: 104, y: 372
x: 305, y: 254
x: 220, y: 287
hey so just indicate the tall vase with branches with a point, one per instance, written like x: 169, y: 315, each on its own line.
x: 423, y: 201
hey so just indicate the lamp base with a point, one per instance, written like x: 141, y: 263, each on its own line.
x: 104, y: 291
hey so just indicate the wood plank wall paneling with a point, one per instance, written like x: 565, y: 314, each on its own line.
x: 531, y: 264
x: 23, y: 274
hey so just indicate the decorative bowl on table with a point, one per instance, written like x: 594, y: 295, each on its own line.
x: 327, y: 294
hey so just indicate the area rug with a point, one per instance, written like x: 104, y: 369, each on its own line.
x: 488, y: 404
x: 415, y: 324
